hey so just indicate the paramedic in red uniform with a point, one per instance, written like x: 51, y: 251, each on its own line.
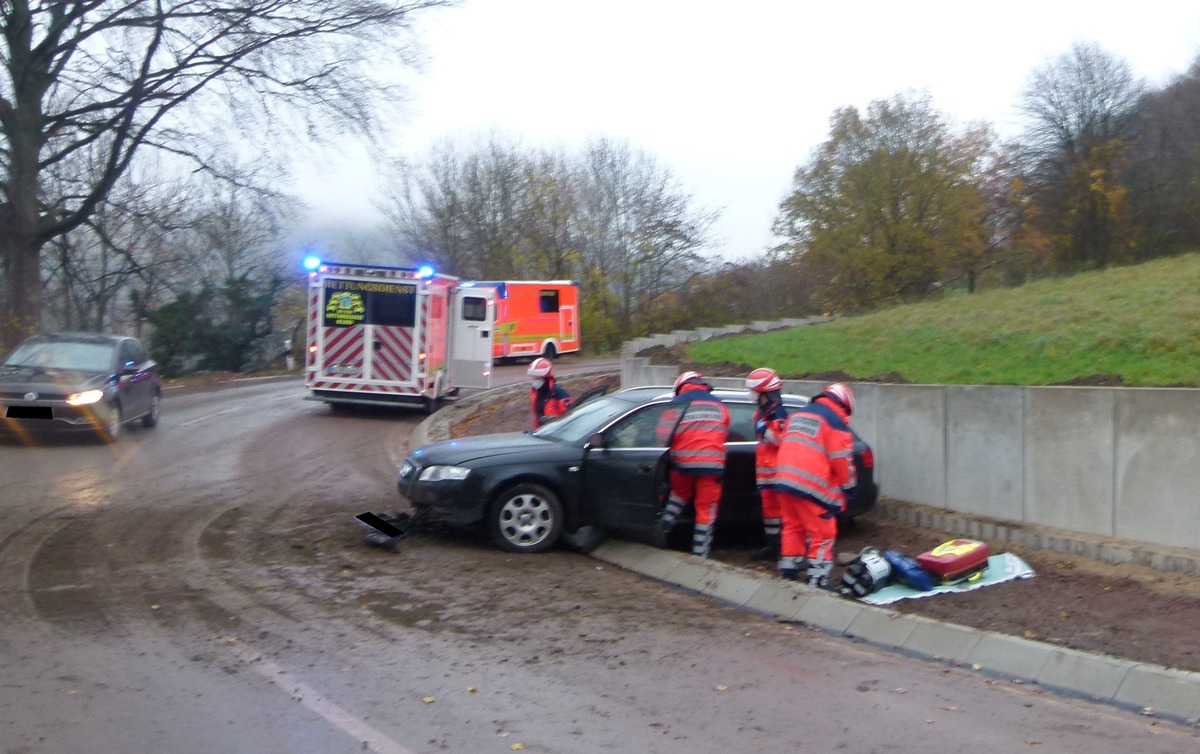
x: 547, y: 398
x: 814, y: 473
x: 769, y: 415
x: 694, y: 428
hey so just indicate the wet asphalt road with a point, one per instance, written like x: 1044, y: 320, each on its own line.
x: 202, y: 587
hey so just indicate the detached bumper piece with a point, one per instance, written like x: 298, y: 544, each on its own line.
x: 384, y: 531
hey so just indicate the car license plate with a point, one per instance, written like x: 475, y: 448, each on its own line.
x: 30, y: 412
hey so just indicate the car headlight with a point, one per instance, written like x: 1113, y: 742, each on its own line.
x: 444, y: 473
x: 85, y: 398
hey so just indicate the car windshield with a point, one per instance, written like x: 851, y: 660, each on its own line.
x: 582, y: 422
x: 58, y: 354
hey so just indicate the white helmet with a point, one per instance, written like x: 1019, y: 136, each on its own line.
x: 541, y: 368
x: 763, y: 380
x: 841, y: 393
x: 689, y: 378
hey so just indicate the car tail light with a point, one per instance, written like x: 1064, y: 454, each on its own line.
x: 868, y: 459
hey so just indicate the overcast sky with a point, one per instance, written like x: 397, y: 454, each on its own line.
x: 731, y: 97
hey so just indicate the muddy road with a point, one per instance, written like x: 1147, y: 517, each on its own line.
x: 203, y: 587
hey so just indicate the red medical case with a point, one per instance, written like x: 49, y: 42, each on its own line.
x: 955, y: 561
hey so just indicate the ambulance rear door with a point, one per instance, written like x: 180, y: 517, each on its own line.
x: 472, y: 331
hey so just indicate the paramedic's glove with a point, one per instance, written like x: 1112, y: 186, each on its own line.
x: 760, y: 426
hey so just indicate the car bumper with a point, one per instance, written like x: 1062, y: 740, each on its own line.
x: 457, y: 503
x: 38, y: 418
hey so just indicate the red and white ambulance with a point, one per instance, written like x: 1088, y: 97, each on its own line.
x: 534, y: 317
x: 395, y: 335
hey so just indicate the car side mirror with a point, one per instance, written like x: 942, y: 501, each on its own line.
x: 595, y: 441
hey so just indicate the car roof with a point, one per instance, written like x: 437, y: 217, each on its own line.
x: 80, y: 337
x: 665, y: 392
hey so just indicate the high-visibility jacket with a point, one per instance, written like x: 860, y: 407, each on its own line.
x: 816, y: 455
x: 700, y: 425
x: 548, y: 400
x: 768, y: 428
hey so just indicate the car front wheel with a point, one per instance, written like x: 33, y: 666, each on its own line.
x: 526, y: 518
x: 150, y: 419
x: 111, y: 430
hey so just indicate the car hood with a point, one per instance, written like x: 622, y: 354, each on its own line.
x: 44, y: 380
x: 487, y: 449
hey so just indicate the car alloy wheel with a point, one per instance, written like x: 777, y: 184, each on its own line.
x: 112, y: 427
x: 151, y: 417
x: 526, y: 518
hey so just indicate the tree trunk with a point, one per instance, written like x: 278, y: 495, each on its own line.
x: 22, y: 300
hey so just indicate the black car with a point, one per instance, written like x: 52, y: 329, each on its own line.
x: 78, y: 382
x: 598, y: 465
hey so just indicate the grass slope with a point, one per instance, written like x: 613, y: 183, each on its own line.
x: 1137, y: 326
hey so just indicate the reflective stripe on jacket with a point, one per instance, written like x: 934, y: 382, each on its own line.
x: 768, y: 428
x: 698, y: 443
x: 816, y: 455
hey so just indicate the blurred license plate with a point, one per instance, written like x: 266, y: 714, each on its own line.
x: 29, y: 412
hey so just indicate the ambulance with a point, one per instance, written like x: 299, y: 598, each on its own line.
x: 395, y: 335
x: 534, y: 317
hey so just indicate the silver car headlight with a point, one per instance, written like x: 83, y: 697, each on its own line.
x: 444, y: 473
x: 85, y: 398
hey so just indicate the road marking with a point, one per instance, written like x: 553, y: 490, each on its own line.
x: 352, y: 726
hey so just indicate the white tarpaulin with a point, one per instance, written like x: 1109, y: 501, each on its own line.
x: 1001, y: 568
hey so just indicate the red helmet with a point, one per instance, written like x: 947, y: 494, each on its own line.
x: 688, y: 378
x: 763, y: 381
x: 841, y: 393
x: 541, y: 368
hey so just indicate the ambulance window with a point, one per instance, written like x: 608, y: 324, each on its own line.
x: 394, y: 309
x: 474, y: 309
x: 548, y: 301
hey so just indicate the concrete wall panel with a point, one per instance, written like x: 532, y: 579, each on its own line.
x: 1158, y: 466
x: 1068, y: 458
x: 985, y: 450
x: 910, y: 452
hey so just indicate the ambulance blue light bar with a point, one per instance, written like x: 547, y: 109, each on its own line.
x: 311, y: 262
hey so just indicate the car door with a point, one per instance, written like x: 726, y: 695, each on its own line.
x: 133, y: 382
x: 740, y: 501
x: 621, y: 474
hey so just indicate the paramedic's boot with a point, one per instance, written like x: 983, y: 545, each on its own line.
x: 818, y: 573
x: 791, y: 568
x: 702, y: 537
x: 769, y: 550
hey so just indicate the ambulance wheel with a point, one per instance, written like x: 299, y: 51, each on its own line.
x: 525, y: 518
x: 432, y: 405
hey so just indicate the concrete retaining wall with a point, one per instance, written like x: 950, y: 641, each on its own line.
x: 1107, y: 462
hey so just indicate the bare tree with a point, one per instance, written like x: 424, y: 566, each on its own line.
x: 1165, y: 164
x: 1080, y: 111
x: 118, y: 77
